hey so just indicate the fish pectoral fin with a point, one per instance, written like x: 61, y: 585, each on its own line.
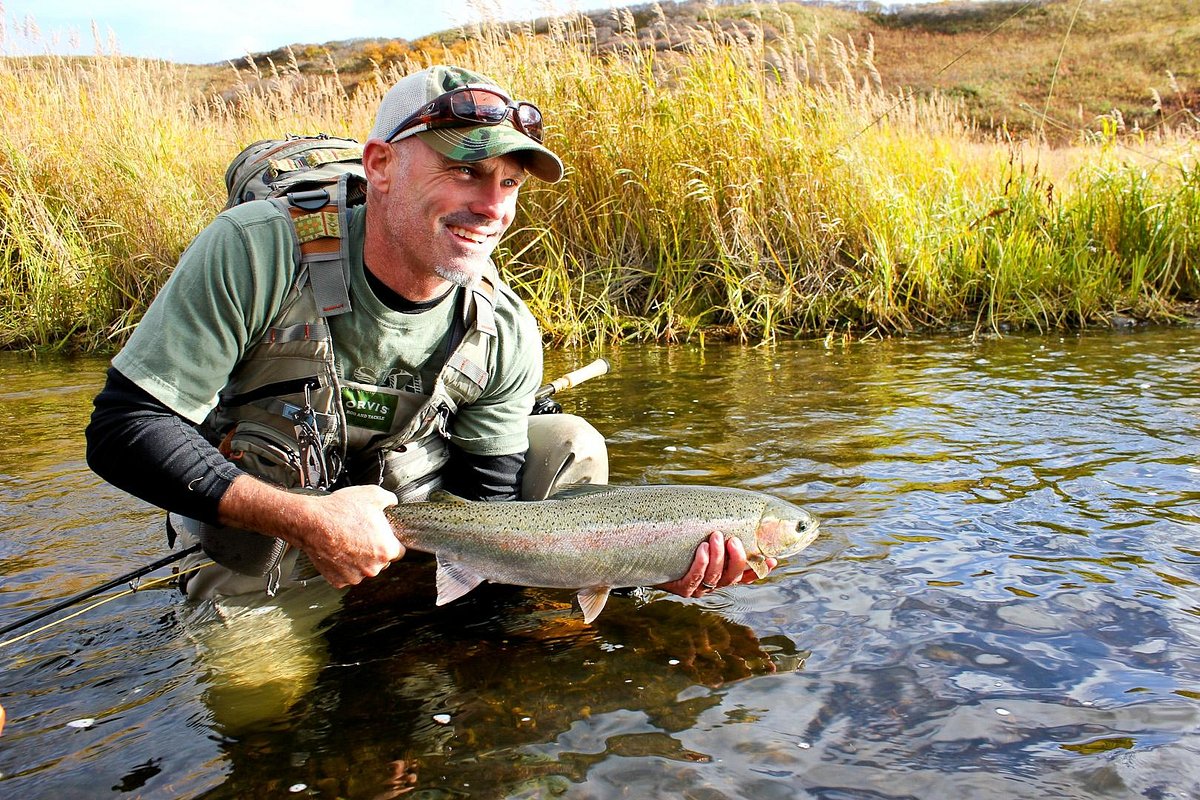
x: 592, y: 600
x: 758, y: 563
x: 454, y: 580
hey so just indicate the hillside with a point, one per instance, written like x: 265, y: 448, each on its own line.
x: 794, y: 172
x: 1130, y: 62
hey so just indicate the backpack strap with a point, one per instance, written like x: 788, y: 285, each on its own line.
x: 465, y: 373
x: 320, y: 222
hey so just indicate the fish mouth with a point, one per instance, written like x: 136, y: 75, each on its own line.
x: 805, y: 535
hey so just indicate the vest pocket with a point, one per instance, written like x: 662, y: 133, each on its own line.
x: 419, y: 490
x: 403, y: 469
x: 266, y: 453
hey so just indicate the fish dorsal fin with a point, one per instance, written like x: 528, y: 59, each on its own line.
x: 581, y: 490
x: 454, y: 580
x: 442, y: 496
x: 592, y: 600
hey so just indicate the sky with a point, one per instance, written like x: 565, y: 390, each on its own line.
x: 220, y: 30
x: 211, y: 31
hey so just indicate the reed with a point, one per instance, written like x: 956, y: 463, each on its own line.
x: 718, y: 183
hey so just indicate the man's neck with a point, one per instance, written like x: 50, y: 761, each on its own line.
x: 399, y: 302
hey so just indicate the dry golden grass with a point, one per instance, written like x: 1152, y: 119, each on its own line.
x: 744, y: 186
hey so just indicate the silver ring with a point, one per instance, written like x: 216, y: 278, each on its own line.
x: 708, y: 585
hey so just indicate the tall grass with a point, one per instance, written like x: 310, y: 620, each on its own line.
x: 734, y: 185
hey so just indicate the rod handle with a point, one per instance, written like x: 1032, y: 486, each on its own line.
x: 584, y: 373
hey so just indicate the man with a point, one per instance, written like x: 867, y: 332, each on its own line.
x: 234, y: 387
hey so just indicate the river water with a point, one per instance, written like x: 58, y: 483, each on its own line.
x: 1004, y: 602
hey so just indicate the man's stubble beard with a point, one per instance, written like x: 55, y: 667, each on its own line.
x: 460, y: 277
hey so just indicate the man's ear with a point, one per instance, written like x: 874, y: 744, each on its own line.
x: 377, y: 158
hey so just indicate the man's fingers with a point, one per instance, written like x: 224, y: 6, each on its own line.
x: 383, y: 497
x: 711, y: 576
x: 735, y: 562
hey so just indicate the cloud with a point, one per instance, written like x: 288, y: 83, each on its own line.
x: 211, y: 30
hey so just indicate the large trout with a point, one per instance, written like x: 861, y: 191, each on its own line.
x: 594, y: 538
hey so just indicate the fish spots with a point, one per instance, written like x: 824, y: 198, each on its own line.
x: 593, y: 539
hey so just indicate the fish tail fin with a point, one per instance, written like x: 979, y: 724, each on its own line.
x: 454, y: 580
x: 592, y: 600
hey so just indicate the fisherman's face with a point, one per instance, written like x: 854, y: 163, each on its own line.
x: 446, y: 217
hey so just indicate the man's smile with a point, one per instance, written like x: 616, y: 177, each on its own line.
x: 473, y: 236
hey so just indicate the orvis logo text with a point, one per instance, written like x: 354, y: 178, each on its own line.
x: 366, y: 409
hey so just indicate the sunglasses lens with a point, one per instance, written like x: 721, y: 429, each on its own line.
x: 475, y: 105
x: 531, y: 120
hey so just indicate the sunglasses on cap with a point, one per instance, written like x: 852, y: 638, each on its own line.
x: 474, y: 106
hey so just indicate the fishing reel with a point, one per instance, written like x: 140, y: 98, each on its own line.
x: 546, y: 405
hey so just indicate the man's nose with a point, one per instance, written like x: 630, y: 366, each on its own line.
x: 493, y: 200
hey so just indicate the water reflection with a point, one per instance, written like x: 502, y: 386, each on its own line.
x: 1004, y: 602
x: 515, y: 675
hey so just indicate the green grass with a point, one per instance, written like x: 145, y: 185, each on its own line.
x: 745, y: 185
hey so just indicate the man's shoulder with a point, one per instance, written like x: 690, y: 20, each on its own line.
x: 254, y: 233
x: 512, y: 315
x: 253, y: 214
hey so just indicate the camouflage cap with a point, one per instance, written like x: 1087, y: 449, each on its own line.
x: 469, y: 142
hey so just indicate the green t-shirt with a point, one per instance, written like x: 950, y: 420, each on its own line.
x: 230, y: 284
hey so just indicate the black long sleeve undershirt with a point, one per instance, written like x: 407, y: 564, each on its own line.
x: 139, y: 445
x: 142, y: 447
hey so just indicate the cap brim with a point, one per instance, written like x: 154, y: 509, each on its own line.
x: 477, y: 142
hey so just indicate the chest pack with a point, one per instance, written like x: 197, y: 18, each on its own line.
x: 313, y: 179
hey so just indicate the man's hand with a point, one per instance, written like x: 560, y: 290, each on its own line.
x: 718, y: 563
x: 345, y: 534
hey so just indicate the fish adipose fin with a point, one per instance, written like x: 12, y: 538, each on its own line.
x: 592, y: 600
x: 455, y: 580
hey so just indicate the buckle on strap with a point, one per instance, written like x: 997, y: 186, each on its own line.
x: 309, y: 200
x: 468, y: 368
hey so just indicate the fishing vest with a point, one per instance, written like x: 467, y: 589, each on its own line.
x: 280, y: 416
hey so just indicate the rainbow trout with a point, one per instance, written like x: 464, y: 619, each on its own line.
x: 594, y: 538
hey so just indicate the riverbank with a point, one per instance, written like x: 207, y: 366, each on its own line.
x: 744, y: 188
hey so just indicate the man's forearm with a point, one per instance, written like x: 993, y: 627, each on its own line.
x: 345, y: 534
x: 483, y: 477
x: 139, y: 445
x: 255, y: 505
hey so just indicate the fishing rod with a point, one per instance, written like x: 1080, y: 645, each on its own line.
x: 544, y: 404
x: 128, y: 577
